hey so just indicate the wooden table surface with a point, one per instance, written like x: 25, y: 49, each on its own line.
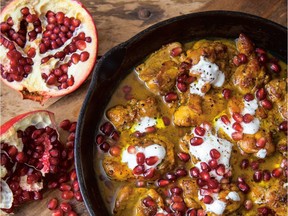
x: 117, y: 21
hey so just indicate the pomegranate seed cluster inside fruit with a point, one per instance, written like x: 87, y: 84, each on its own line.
x: 47, y: 48
x: 210, y: 140
x: 33, y: 159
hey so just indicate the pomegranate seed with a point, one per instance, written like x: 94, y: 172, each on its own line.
x: 260, y: 51
x: 276, y: 173
x: 204, y: 175
x: 176, y: 51
x: 237, y: 126
x: 247, y: 118
x: 182, y: 87
x: 115, y: 151
x: 131, y: 150
x: 205, y: 166
x: 266, y: 104
x: 192, y: 212
x: 227, y: 93
x: 100, y: 139
x: 261, y: 94
x: 215, y: 154
x: 37, y: 195
x: 255, y: 165
x: 150, y: 129
x: 149, y: 202
x: 65, y: 187
x: 149, y: 173
x: 207, y: 199
x: 213, y: 163
x: 248, y: 204
x: 283, y: 126
x: 275, y: 67
x: 195, y: 141
x: 78, y: 196
x: 200, y: 131
x: 57, y: 212
x: 140, y: 158
x: 244, y: 164
x: 243, y: 58
x: 264, y: 211
x: 52, y: 204
x: 212, y: 183
x: 52, y: 185
x: 194, y: 172
x: 178, y: 206
x: 67, y: 195
x: 75, y: 22
x: 151, y: 160
x: 72, y: 213
x: 237, y: 117
x: 25, y: 11
x: 66, y: 207
x: 237, y: 136
x: 171, y: 176
x: 183, y: 156
x: 21, y: 157
x: 138, y: 170
x: 243, y: 187
x: 257, y: 176
x: 176, y: 190
x: 80, y: 44
x: 236, y: 61
x: 220, y: 170
x: 248, y: 97
x: 266, y: 175
x: 84, y: 56
x: 73, y: 175
x: 12, y: 151
x: 105, y: 147
x: 225, y: 119
x: 261, y: 142
x: 163, y: 182
x: 107, y: 128
x: 181, y: 172
x: 170, y: 97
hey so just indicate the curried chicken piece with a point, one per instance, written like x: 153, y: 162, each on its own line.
x: 134, y: 201
x: 123, y: 117
x: 272, y: 194
x: 124, y: 166
x: 228, y: 196
x: 160, y: 70
x: 251, y: 75
x: 276, y: 89
x: 250, y: 144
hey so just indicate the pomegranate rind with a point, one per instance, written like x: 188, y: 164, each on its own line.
x: 38, y: 118
x: 37, y: 186
x: 34, y: 87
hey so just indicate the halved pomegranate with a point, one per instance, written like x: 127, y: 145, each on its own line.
x: 48, y: 48
x: 29, y: 149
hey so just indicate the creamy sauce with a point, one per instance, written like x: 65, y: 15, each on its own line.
x: 209, y: 73
x: 149, y: 151
x: 217, y: 207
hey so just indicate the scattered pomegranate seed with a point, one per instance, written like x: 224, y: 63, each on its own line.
x: 277, y: 173
x: 151, y: 160
x: 244, y: 164
x: 243, y: 187
x: 237, y: 126
x: 57, y: 212
x: 166, y: 120
x: 72, y: 213
x: 200, y: 131
x: 204, y: 175
x: 227, y: 93
x: 194, y: 172
x: 149, y: 173
x: 176, y: 190
x: 67, y: 195
x: 237, y: 117
x: 75, y: 185
x: 215, y: 154
x: 105, y: 147
x: 171, y: 176
x: 248, y: 97
x: 204, y: 166
x: 213, y: 163
x: 248, y: 204
x: 275, y: 67
x: 195, y: 141
x: 131, y: 150
x: 163, y: 182
x: 181, y: 172
x: 140, y: 158
x: 65, y: 187
x: 247, y: 118
x: 220, y: 170
x: 257, y: 176
x: 78, y: 196
x: 261, y: 94
x: 178, y: 206
x: 65, y: 207
x: 182, y: 87
x: 207, y: 199
x: 283, y: 126
x: 176, y: 51
x: 115, y: 151
x: 183, y: 156
x: 264, y: 211
x: 52, y: 204
x: 149, y: 202
x: 266, y: 175
x: 171, y: 97
x: 261, y: 142
x: 267, y: 104
x: 138, y: 170
x: 225, y: 119
x: 237, y: 136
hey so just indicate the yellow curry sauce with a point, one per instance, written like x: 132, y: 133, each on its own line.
x: 197, y: 129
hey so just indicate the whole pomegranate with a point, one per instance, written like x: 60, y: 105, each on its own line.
x: 30, y: 149
x: 48, y: 47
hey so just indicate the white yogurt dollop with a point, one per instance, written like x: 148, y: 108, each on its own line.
x: 149, y: 151
x: 144, y: 123
x: 209, y: 74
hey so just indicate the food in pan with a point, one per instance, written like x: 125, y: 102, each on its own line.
x: 197, y: 129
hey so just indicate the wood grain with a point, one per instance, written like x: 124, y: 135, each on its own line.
x: 117, y: 21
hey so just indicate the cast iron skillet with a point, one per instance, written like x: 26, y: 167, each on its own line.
x: 117, y: 62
